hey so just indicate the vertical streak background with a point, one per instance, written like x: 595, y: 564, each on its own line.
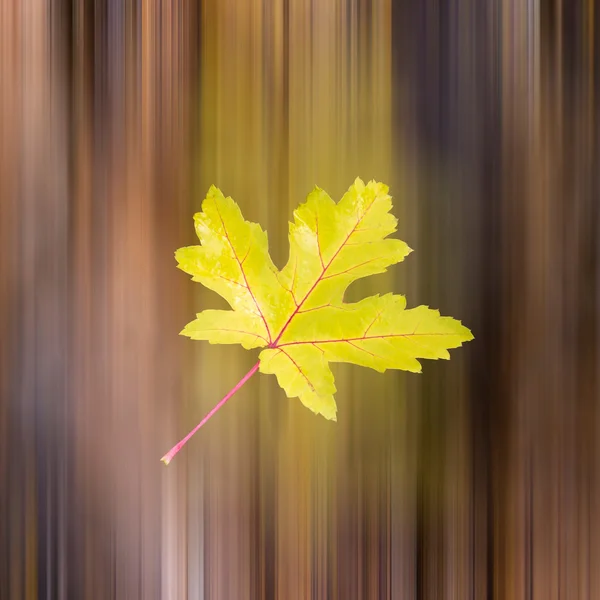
x: 477, y: 479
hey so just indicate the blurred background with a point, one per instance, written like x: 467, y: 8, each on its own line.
x: 478, y: 479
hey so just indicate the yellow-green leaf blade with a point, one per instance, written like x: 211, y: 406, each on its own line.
x: 303, y: 373
x: 227, y: 327
x: 233, y: 260
x: 377, y: 332
x: 299, y: 313
x: 332, y: 245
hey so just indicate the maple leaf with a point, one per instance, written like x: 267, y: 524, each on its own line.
x: 298, y: 314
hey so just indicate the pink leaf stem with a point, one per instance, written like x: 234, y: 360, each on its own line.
x: 168, y: 457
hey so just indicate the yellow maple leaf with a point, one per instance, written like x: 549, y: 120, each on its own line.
x: 298, y: 314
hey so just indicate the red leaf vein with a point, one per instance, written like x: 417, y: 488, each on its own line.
x: 319, y: 279
x: 243, y: 272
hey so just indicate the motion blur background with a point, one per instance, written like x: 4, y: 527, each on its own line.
x: 478, y: 479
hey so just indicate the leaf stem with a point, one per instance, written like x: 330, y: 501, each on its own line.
x: 168, y: 457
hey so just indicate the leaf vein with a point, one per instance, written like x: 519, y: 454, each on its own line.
x: 236, y: 331
x: 362, y: 338
x: 367, y: 351
x: 262, y: 316
x: 318, y: 241
x: 352, y: 268
x: 320, y: 278
x: 312, y: 387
